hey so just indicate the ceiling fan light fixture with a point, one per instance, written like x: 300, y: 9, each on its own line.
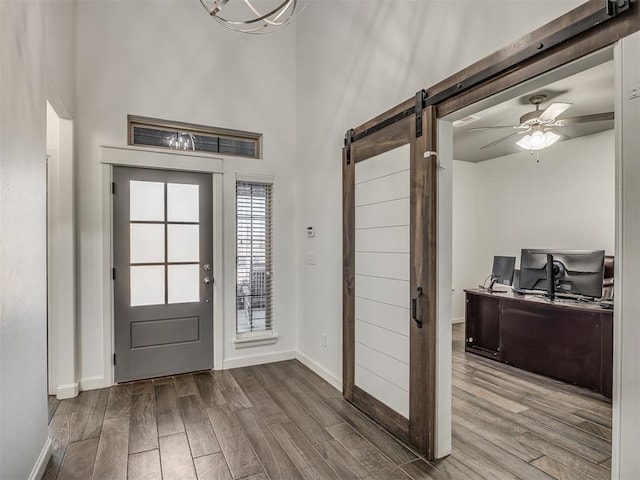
x: 538, y: 140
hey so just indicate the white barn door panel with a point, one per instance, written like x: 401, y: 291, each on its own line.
x: 382, y: 246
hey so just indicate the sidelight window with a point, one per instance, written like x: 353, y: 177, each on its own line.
x: 253, y: 257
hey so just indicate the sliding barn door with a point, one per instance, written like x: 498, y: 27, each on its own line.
x: 389, y: 231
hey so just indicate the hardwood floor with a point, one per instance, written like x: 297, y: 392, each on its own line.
x: 281, y: 421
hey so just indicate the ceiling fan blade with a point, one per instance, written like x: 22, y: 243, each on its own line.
x: 596, y: 117
x: 492, y: 126
x: 500, y: 140
x: 552, y: 111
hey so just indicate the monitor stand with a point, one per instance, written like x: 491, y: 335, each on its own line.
x: 493, y: 290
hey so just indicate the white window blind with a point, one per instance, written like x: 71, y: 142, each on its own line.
x: 253, y: 257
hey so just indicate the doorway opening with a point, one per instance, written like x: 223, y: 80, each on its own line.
x: 506, y: 199
x: 61, y: 284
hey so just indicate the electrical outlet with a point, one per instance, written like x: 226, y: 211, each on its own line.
x: 324, y: 340
x: 633, y: 92
x: 311, y: 259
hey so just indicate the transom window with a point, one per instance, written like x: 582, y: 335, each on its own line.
x: 189, y: 137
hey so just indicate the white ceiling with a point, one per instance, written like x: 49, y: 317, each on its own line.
x: 590, y: 91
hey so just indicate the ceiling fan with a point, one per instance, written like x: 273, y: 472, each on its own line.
x: 539, y: 126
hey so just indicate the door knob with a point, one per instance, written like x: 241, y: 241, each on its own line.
x: 206, y: 280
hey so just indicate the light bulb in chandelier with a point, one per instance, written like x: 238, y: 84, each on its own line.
x: 249, y: 16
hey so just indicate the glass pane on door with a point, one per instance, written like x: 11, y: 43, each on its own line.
x: 182, y: 203
x: 146, y: 201
x: 183, y: 243
x: 147, y: 242
x: 184, y: 283
x: 147, y: 285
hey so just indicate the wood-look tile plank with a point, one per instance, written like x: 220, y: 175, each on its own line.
x: 595, y: 429
x: 301, y: 452
x: 145, y: 386
x: 265, y: 405
x: 495, y: 454
x: 202, y: 440
x: 168, y: 414
x: 299, y: 415
x: 342, y: 462
x: 497, y: 399
x: 564, y: 456
x: 454, y: 468
x: 392, y: 448
x: 595, y: 418
x: 259, y: 476
x: 60, y: 430
x: 84, y: 412
x: 299, y: 371
x: 275, y: 461
x: 485, y: 431
x: 323, y: 414
x: 143, y: 430
x: 483, y: 417
x: 265, y: 376
x: 421, y: 470
x: 558, y: 438
x: 569, y: 431
x: 239, y: 372
x: 209, y: 392
x: 212, y: 467
x: 93, y: 425
x: 560, y: 392
x: 520, y: 394
x: 113, y: 449
x: 70, y: 405
x: 378, y: 465
x: 235, y: 446
x: 556, y: 469
x: 119, y: 403
x: 606, y: 464
x: 79, y: 460
x: 144, y: 466
x: 233, y: 394
x: 185, y: 385
x: 484, y: 467
x: 175, y: 458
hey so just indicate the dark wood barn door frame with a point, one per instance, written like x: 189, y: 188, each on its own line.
x: 592, y: 26
x: 418, y: 429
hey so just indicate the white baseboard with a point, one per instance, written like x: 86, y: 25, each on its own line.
x: 69, y: 390
x: 326, y: 375
x: 93, y: 383
x: 251, y: 360
x: 457, y: 320
x: 43, y: 459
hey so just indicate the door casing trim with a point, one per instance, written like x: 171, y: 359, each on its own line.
x: 128, y: 156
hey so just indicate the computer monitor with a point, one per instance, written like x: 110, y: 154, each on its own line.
x: 502, y: 271
x: 576, y: 272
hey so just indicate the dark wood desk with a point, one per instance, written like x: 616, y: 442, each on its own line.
x: 563, y: 339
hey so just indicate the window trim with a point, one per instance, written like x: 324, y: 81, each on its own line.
x: 171, y: 125
x: 256, y: 338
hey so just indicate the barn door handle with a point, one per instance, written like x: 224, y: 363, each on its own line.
x: 414, y: 307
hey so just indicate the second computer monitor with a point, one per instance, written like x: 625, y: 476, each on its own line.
x: 502, y: 270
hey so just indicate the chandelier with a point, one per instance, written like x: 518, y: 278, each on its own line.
x: 243, y: 16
